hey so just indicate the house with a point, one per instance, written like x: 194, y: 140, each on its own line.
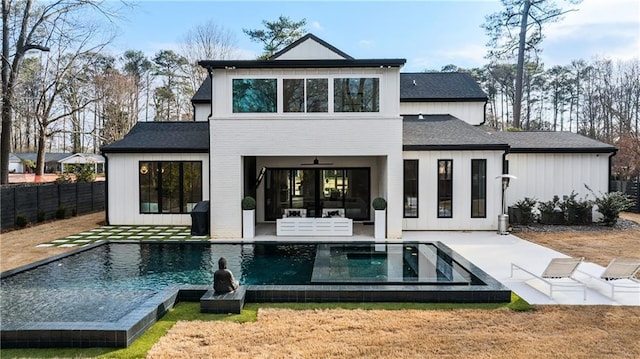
x: 312, y: 128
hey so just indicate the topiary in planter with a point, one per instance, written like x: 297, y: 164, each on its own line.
x: 248, y: 203
x: 379, y: 204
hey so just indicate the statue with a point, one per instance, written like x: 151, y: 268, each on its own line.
x: 223, y: 281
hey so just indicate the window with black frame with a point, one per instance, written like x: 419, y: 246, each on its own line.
x: 169, y: 186
x: 445, y: 188
x: 254, y: 95
x: 356, y: 94
x: 479, y: 188
x: 410, y: 188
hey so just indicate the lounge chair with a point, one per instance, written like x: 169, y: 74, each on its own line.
x: 620, y: 274
x: 558, y: 275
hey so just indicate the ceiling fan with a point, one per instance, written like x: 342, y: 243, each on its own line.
x: 316, y: 162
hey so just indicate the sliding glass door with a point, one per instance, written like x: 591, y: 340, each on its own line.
x: 317, y: 189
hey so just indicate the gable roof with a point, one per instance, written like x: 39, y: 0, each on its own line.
x: 203, y: 95
x: 163, y: 137
x: 551, y: 142
x: 306, y: 38
x: 439, y: 86
x: 445, y: 132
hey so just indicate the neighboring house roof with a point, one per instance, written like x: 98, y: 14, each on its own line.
x: 83, y: 158
x: 445, y: 132
x: 439, y: 86
x: 310, y: 37
x: 163, y: 137
x: 551, y: 142
x: 14, y: 159
x: 48, y: 156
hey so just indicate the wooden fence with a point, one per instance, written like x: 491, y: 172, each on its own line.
x: 631, y: 188
x: 29, y: 200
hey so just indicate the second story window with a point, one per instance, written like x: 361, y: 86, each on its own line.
x: 255, y: 95
x: 356, y: 94
x: 305, y: 95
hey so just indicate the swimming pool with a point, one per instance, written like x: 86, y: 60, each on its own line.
x: 107, y: 285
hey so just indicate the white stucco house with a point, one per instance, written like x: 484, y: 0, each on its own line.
x: 312, y: 128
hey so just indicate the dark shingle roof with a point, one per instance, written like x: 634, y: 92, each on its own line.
x: 203, y: 95
x: 163, y: 137
x: 445, y: 132
x: 439, y: 86
x: 551, y: 142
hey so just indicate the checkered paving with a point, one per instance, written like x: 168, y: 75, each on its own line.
x: 114, y: 233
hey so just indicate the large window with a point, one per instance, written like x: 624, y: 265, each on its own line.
x: 410, y: 188
x: 479, y: 188
x: 310, y: 95
x: 445, y: 188
x: 315, y: 189
x: 170, y: 187
x: 356, y: 95
x: 255, y: 95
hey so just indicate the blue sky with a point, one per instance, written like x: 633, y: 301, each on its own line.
x: 429, y: 34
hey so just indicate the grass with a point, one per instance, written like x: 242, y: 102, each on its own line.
x: 190, y: 311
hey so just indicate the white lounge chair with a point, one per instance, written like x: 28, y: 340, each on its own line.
x: 620, y: 274
x: 558, y: 275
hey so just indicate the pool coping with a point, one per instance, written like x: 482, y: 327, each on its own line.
x: 127, y: 329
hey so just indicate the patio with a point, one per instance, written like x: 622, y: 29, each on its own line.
x: 494, y: 254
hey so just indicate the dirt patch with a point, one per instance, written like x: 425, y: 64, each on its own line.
x: 553, y: 331
x: 18, y: 247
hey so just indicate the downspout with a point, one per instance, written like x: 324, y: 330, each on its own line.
x: 615, y: 151
x: 484, y: 113
x: 106, y: 187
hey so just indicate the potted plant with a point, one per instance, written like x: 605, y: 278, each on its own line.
x: 522, y: 211
x: 380, y: 205
x: 248, y: 217
x: 551, y: 212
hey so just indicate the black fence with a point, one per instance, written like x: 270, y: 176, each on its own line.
x: 38, y: 202
x: 631, y: 188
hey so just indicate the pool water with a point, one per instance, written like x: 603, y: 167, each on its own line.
x: 105, y: 283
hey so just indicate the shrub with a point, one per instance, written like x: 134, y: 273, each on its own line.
x: 41, y: 216
x: 248, y: 203
x: 577, y: 211
x: 610, y: 205
x: 74, y: 212
x: 526, y: 209
x: 550, y: 206
x: 64, y: 178
x: 22, y: 221
x: 61, y: 212
x: 379, y: 204
x: 85, y: 173
x: 551, y: 211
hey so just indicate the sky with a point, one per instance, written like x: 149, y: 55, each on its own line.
x: 428, y: 34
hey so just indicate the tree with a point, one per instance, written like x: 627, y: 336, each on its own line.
x: 28, y: 26
x: 277, y: 35
x: 167, y: 97
x: 137, y: 66
x: 526, y: 18
x: 206, y: 41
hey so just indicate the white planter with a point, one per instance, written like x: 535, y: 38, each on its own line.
x: 380, y: 222
x: 248, y: 223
